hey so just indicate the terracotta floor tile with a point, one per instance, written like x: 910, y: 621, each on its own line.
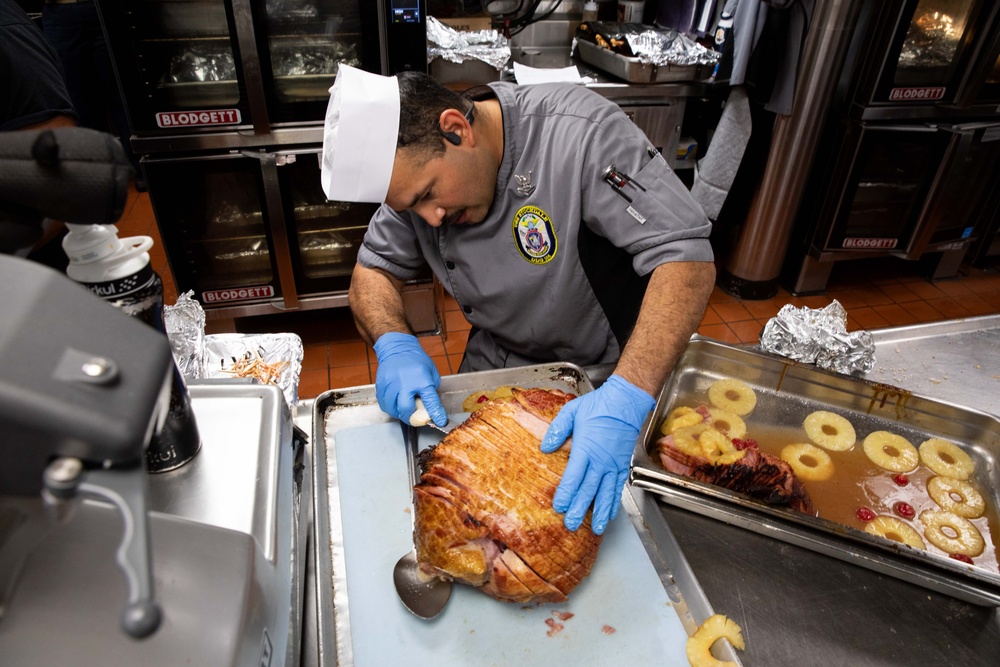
x: 719, y: 295
x: 732, y: 312
x: 953, y: 288
x: 875, y: 297
x: 817, y: 301
x: 456, y: 341
x: 897, y: 315
x: 849, y: 298
x: 349, y: 353
x: 314, y: 355
x: 313, y: 382
x: 924, y: 312
x: 925, y: 290
x: 442, y: 364
x: 949, y: 307
x: 747, y: 331
x: 711, y: 317
x: 899, y: 293
x: 719, y: 332
x: 449, y: 303
x: 350, y: 376
x: 455, y: 361
x: 868, y: 318
x: 432, y: 345
x: 455, y: 321
x: 764, y: 309
x: 976, y: 305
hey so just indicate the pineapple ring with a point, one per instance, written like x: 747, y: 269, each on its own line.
x: 698, y: 646
x: 965, y: 538
x: 892, y: 528
x: 733, y: 395
x: 728, y: 422
x: 809, y: 462
x: 943, y: 491
x: 945, y: 458
x: 830, y: 431
x: 679, y: 418
x: 891, y: 452
x: 686, y: 439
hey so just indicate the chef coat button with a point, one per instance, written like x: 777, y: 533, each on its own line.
x: 450, y: 264
x: 467, y: 309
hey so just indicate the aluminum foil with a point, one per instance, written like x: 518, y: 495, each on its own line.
x: 224, y: 352
x: 458, y: 46
x: 199, y: 64
x: 185, y: 325
x: 669, y: 47
x: 819, y: 336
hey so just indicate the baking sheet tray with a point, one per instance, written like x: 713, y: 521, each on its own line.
x: 363, y: 525
x: 633, y: 69
x: 786, y: 393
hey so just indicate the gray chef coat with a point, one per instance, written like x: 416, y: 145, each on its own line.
x: 535, y: 283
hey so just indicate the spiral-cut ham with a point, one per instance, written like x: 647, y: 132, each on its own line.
x: 484, y: 504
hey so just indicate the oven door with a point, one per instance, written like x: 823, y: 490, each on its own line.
x: 878, y: 187
x: 916, y: 53
x: 324, y: 236
x: 180, y: 63
x: 213, y: 219
x: 966, y: 177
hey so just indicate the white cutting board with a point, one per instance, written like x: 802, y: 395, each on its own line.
x: 623, y: 590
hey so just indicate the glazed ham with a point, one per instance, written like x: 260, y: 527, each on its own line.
x: 484, y: 504
x: 758, y: 474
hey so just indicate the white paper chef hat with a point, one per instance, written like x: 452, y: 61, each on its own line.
x: 359, y: 137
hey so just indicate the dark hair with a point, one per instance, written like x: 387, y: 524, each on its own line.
x: 422, y: 100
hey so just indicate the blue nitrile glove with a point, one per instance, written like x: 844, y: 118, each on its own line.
x: 405, y: 371
x: 605, y: 425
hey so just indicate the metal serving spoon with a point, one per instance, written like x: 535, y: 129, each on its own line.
x: 424, y: 596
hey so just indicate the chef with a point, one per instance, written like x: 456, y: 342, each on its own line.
x: 560, y: 231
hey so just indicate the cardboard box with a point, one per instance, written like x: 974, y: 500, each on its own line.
x: 469, y: 23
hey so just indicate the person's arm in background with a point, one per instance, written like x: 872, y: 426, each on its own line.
x: 405, y: 370
x: 33, y: 93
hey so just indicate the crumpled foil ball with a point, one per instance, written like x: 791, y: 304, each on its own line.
x: 819, y: 336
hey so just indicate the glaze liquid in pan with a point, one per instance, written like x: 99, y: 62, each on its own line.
x: 857, y: 482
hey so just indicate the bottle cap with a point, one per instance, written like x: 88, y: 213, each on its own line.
x: 97, y: 255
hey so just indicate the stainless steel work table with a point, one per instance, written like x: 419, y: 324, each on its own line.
x: 798, y: 607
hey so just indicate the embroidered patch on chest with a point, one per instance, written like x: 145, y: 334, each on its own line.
x: 534, y: 236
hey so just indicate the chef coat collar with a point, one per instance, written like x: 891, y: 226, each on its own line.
x: 511, y: 118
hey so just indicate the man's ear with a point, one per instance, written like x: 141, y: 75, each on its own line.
x: 453, y: 126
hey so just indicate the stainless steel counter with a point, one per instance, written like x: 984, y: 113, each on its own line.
x: 798, y: 607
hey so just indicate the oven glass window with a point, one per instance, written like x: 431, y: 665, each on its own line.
x: 933, y: 41
x: 307, y: 39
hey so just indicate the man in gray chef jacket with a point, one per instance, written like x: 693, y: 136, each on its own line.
x: 560, y: 231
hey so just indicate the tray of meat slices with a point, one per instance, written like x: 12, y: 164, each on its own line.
x: 868, y: 473
x: 526, y: 590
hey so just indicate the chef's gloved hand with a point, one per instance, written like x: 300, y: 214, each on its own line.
x: 605, y: 425
x: 404, y: 372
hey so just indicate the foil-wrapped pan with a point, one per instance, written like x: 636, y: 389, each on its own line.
x: 457, y: 46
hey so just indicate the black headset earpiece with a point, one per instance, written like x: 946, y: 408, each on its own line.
x: 452, y: 137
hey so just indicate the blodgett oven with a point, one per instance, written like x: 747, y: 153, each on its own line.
x: 908, y: 158
x: 226, y: 99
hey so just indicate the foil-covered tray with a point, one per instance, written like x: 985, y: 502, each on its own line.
x: 634, y: 70
x: 361, y: 622
x: 786, y: 393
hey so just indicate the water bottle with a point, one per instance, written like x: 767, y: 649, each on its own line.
x: 119, y: 271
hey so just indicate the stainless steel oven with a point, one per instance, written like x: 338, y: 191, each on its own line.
x: 907, y: 56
